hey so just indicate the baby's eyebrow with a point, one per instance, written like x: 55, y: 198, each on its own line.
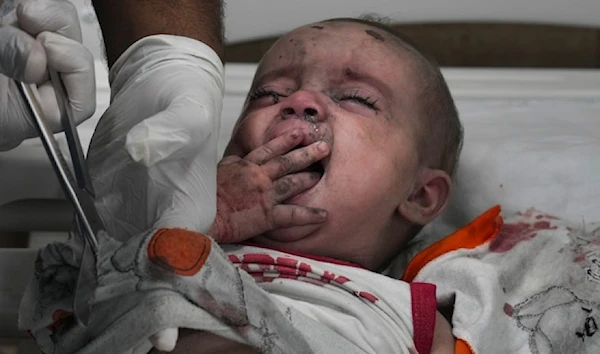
x: 287, y: 72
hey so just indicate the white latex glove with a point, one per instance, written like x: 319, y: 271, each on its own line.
x: 153, y: 156
x: 48, y: 35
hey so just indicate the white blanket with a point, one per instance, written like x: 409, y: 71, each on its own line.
x: 532, y: 288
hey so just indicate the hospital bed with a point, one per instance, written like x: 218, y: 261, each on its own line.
x: 532, y: 135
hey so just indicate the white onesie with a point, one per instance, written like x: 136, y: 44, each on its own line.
x: 377, y: 313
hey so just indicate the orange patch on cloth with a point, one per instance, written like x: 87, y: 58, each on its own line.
x: 462, y: 347
x: 181, y: 251
x: 479, y: 231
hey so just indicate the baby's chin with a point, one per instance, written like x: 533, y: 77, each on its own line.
x: 289, y: 238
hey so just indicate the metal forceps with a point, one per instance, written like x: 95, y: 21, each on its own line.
x: 76, y: 186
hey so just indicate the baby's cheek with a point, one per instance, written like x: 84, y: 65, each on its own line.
x: 406, y: 158
x: 368, y: 134
x: 241, y: 141
x: 255, y: 127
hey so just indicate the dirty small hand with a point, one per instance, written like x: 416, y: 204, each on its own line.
x: 250, y: 190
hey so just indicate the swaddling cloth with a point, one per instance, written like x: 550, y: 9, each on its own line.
x: 530, y: 284
x: 168, y: 279
x: 177, y: 278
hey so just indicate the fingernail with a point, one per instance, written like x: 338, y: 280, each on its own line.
x: 320, y: 212
x: 322, y: 146
x: 295, y: 134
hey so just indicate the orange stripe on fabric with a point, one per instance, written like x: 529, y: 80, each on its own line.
x: 462, y: 347
x: 478, y: 232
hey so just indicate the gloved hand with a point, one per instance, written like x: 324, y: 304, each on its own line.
x: 48, y: 35
x: 153, y: 156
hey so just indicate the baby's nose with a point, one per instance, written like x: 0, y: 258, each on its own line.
x: 303, y: 105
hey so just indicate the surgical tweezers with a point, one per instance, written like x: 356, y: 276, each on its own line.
x: 78, y: 188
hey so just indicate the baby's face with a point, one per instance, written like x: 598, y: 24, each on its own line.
x: 363, y: 92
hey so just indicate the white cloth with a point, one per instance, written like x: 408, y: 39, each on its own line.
x: 370, y: 310
x: 299, y: 305
x: 534, y: 288
x: 138, y: 296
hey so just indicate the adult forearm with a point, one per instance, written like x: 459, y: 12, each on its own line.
x: 125, y: 21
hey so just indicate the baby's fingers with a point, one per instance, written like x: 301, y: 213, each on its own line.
x: 276, y: 147
x: 290, y: 185
x: 296, y: 160
x: 295, y: 215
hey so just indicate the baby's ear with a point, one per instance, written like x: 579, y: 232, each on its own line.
x: 429, y: 197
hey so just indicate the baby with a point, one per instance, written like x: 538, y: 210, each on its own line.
x: 344, y: 151
x: 376, y: 138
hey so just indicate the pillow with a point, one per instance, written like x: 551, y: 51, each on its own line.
x: 521, y: 154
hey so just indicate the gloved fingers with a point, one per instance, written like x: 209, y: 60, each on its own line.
x: 75, y: 63
x: 176, y: 132
x: 165, y: 340
x: 21, y: 56
x: 60, y: 16
x: 15, y: 125
x: 8, y: 13
x: 50, y: 106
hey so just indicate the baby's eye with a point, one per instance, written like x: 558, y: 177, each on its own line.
x: 264, y: 94
x: 366, y: 101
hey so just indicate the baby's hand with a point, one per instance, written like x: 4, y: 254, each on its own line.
x: 250, y: 190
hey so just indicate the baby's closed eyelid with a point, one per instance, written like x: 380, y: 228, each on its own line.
x: 265, y: 92
x: 358, y: 96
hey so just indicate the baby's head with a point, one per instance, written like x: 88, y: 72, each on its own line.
x: 391, y: 123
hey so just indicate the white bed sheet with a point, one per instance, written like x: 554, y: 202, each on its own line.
x: 537, y: 153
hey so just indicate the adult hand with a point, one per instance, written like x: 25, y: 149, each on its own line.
x: 251, y: 191
x: 48, y: 36
x: 153, y: 157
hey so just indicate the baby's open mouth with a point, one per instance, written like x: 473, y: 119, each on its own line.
x: 315, y: 167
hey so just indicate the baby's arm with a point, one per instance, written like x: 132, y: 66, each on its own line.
x: 443, y: 340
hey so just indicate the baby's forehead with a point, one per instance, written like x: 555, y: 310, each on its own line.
x: 339, y: 42
x: 347, y: 28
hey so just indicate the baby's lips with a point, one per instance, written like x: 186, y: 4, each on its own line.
x: 310, y: 131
